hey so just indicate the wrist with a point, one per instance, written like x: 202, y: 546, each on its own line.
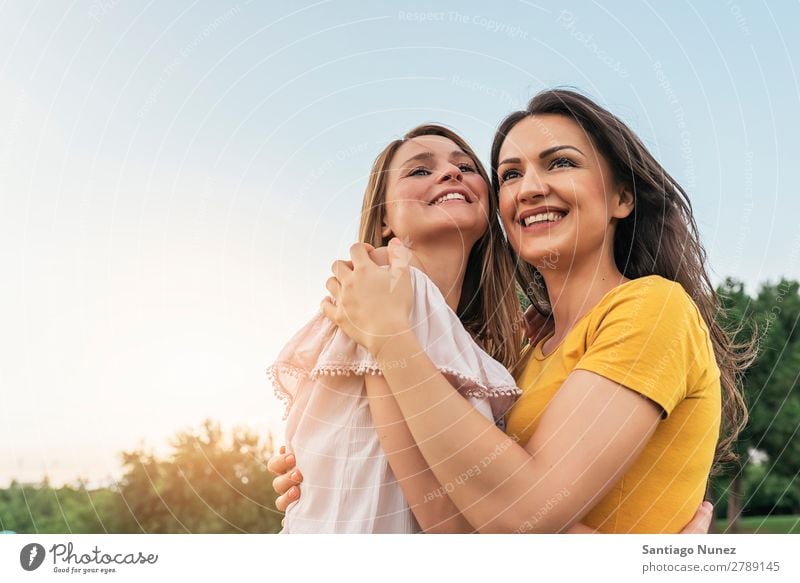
x: 393, y: 348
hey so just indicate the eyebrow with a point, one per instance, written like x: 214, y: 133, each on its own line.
x: 543, y: 154
x: 554, y: 149
x: 429, y: 155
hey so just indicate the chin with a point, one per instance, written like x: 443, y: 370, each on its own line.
x: 543, y: 256
x: 451, y: 236
x: 468, y: 226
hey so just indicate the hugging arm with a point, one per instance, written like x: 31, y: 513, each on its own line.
x: 282, y: 465
x: 591, y: 432
x: 432, y: 508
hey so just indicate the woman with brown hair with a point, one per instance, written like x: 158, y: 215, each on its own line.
x: 632, y: 397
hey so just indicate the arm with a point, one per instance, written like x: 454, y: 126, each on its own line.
x: 433, y: 509
x: 590, y: 434
x: 502, y: 487
x: 288, y: 478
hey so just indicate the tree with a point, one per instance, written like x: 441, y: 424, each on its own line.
x: 770, y: 385
x: 209, y: 483
x: 39, y: 508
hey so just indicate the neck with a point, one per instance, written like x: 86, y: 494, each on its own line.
x: 577, y: 288
x: 446, y: 265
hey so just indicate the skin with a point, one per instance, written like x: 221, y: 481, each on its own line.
x: 573, y: 448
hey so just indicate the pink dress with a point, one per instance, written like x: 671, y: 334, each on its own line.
x: 348, y: 486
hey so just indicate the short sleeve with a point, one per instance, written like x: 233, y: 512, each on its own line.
x: 322, y: 349
x: 647, y: 339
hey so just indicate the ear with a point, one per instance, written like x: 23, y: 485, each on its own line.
x: 386, y: 231
x: 624, y: 202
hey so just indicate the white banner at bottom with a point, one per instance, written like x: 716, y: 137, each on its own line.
x: 406, y: 558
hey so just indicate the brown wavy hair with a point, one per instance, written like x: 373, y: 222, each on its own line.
x: 660, y: 237
x: 488, y: 306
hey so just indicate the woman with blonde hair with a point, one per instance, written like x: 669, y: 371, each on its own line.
x: 427, y: 188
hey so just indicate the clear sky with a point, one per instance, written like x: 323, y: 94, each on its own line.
x: 177, y: 177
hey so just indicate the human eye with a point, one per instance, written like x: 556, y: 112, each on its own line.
x: 419, y: 171
x: 465, y: 167
x: 561, y: 162
x: 509, y: 175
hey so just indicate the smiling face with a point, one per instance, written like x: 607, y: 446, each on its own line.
x: 433, y: 190
x: 558, y: 199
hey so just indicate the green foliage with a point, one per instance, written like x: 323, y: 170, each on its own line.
x: 209, y: 484
x: 772, y: 392
x: 524, y: 302
x: 42, y: 509
x: 766, y: 491
x: 763, y: 525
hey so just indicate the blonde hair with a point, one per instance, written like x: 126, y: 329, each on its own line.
x: 489, y: 307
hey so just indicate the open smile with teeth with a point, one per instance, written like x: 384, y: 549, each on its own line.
x: 449, y: 196
x: 551, y: 217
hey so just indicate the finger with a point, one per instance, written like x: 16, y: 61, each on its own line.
x: 281, y: 463
x: 530, y: 312
x: 701, y: 521
x: 328, y: 309
x: 360, y: 255
x: 580, y: 528
x: 341, y: 269
x: 399, y: 258
x: 535, y: 318
x: 282, y: 502
x: 379, y: 256
x: 526, y: 323
x: 536, y: 324
x: 333, y: 286
x: 274, y: 464
x: 282, y: 483
x: 399, y: 254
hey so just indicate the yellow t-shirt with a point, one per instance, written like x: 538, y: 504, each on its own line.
x: 648, y: 335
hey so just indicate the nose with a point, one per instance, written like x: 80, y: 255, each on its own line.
x: 531, y: 187
x: 451, y: 172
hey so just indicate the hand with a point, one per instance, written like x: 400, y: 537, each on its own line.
x: 368, y: 303
x: 580, y: 528
x: 701, y: 521
x: 536, y: 325
x: 699, y: 524
x: 287, y: 480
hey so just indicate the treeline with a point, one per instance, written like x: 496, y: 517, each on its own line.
x: 211, y: 483
x: 766, y: 480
